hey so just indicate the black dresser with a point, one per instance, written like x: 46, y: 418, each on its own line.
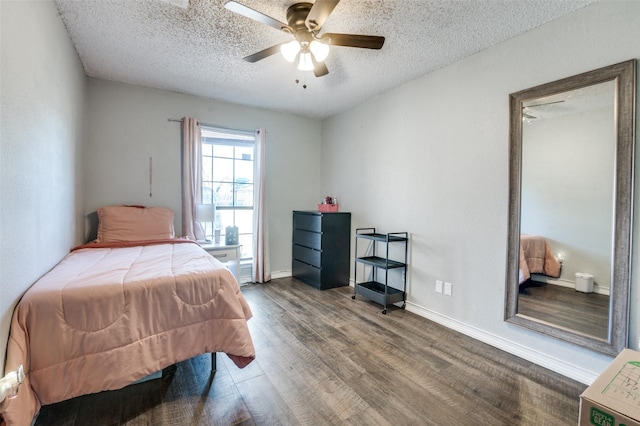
x: 321, y: 248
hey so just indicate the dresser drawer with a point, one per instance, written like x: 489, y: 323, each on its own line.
x: 307, y: 239
x: 307, y: 273
x: 307, y: 222
x: 307, y: 255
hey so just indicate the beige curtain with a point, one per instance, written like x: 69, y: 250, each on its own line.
x: 261, y: 267
x: 191, y: 174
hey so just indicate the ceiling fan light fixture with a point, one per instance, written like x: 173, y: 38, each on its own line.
x: 305, y: 64
x: 304, y: 22
x: 290, y: 50
x: 320, y: 50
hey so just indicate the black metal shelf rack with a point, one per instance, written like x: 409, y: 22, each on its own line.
x: 375, y: 290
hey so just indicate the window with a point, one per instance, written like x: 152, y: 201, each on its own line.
x: 227, y: 182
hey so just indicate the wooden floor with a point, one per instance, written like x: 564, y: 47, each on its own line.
x: 325, y: 359
x: 586, y: 313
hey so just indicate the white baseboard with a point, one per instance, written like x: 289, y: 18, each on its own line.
x: 558, y: 282
x: 601, y: 290
x: 280, y: 274
x: 561, y: 367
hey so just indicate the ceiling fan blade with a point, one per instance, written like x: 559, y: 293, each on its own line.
x: 246, y: 11
x: 263, y: 53
x: 319, y: 68
x: 353, y: 40
x: 319, y: 13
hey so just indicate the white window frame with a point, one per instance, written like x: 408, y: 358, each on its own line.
x: 235, y: 138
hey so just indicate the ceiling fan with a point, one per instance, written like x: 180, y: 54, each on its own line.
x: 304, y: 22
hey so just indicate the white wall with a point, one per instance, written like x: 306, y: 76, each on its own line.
x: 42, y: 102
x: 431, y: 158
x: 128, y: 124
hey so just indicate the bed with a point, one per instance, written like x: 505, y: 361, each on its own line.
x: 119, y: 309
x: 536, y: 257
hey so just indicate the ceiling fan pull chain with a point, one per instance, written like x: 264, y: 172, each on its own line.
x: 304, y: 81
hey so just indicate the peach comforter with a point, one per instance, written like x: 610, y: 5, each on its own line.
x: 537, y: 258
x: 105, y: 317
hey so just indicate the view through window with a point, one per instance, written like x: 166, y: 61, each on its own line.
x: 227, y: 182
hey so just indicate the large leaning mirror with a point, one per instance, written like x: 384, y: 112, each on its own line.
x: 570, y: 207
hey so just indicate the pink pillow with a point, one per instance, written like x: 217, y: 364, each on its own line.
x: 132, y: 223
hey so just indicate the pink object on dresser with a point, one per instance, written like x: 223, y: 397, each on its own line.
x: 328, y: 208
x: 107, y: 316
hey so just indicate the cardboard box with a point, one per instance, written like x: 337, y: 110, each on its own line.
x: 613, y: 399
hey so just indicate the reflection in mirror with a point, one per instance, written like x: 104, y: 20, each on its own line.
x: 570, y: 207
x: 568, y: 147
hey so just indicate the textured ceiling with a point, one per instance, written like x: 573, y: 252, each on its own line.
x: 198, y: 49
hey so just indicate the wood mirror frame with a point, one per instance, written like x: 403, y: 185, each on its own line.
x: 624, y: 77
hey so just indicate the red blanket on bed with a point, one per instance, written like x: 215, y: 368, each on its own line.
x: 111, y: 314
x: 537, y: 258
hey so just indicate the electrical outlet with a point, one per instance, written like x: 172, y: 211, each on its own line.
x: 438, y: 286
x: 447, y: 289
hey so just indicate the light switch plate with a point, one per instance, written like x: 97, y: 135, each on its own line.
x: 438, y: 286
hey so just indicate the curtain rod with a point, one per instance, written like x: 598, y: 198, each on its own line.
x: 213, y: 125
